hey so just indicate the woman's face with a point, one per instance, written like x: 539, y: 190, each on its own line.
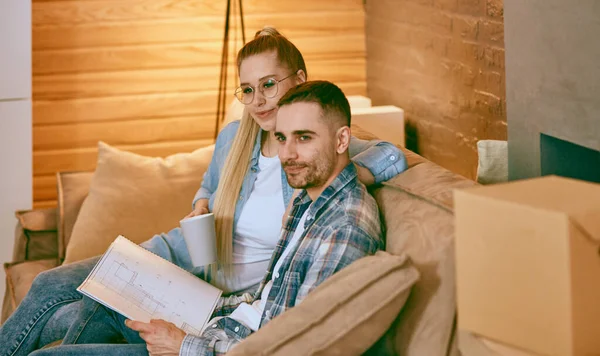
x: 257, y: 73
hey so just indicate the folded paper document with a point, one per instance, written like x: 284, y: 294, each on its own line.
x: 143, y: 286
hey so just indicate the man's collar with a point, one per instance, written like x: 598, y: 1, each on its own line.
x: 347, y: 175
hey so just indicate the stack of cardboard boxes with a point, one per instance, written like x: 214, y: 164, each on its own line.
x: 528, y: 268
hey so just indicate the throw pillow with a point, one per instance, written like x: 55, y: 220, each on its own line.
x: 135, y: 196
x: 343, y: 316
x: 35, y: 235
x: 493, y: 161
x: 73, y: 188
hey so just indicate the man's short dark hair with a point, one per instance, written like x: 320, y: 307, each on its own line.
x: 329, y: 96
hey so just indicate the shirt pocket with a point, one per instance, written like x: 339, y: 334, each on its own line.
x: 286, y: 297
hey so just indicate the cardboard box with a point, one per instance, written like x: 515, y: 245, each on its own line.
x: 528, y: 264
x: 385, y: 122
x: 476, y: 345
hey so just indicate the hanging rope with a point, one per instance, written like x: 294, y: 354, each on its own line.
x: 222, y: 91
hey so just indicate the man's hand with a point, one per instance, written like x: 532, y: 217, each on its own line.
x: 162, y: 338
x: 200, y: 208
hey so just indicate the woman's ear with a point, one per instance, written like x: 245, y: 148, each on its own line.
x: 343, y: 135
x: 300, y: 76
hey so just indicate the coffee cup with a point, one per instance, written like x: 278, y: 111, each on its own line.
x: 200, y: 237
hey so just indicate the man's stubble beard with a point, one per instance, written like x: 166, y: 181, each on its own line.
x: 316, y: 173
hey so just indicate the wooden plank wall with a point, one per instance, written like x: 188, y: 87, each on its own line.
x: 142, y: 74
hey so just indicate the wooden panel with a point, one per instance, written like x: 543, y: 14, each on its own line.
x: 178, y: 55
x: 122, y: 132
x: 84, y: 159
x: 93, y: 11
x: 142, y: 74
x: 139, y: 106
x: 123, y: 107
x: 101, y: 84
x: 44, y: 187
x: 44, y: 204
x: 201, y: 29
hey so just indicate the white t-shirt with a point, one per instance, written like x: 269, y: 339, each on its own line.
x: 250, y: 315
x: 258, y: 228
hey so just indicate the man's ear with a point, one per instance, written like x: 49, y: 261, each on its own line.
x: 300, y: 76
x: 343, y: 139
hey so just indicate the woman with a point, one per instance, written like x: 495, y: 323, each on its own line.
x: 244, y: 187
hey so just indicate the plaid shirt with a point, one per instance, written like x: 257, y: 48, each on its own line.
x: 342, y: 226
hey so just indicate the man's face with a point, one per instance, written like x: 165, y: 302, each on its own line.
x: 307, y: 147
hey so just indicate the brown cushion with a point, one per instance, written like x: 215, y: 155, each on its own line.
x: 361, y: 133
x: 73, y: 188
x: 135, y: 196
x: 19, y: 277
x: 35, y: 235
x: 342, y: 316
x: 412, y: 159
x: 417, y: 210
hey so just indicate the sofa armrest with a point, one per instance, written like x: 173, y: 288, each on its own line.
x: 36, y: 235
x: 19, y: 277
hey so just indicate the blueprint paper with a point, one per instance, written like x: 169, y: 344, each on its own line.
x: 143, y: 286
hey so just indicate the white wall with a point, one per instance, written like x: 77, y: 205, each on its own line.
x: 15, y: 120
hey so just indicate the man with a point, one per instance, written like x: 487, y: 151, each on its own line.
x: 333, y: 222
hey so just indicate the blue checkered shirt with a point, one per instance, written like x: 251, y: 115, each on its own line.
x: 342, y: 225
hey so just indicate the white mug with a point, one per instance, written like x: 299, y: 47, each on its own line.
x: 200, y: 237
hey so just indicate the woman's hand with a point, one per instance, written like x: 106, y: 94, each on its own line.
x: 162, y: 338
x: 200, y: 208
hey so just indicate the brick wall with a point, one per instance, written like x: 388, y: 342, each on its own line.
x: 442, y: 61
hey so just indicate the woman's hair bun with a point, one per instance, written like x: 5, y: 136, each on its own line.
x: 267, y: 31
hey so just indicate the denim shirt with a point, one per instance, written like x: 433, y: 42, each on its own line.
x: 382, y: 159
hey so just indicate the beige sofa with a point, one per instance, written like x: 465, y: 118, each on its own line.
x: 417, y: 209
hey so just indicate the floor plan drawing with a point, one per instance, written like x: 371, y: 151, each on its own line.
x: 123, y: 281
x: 143, y: 286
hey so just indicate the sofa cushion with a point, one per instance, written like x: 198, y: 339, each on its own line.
x: 35, y: 235
x: 135, y: 196
x: 19, y: 277
x: 343, y: 316
x: 73, y: 188
x: 492, y: 164
x: 417, y: 210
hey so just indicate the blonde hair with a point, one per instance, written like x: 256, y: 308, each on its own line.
x: 238, y: 160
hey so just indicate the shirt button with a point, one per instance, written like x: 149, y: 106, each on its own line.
x: 392, y: 158
x: 276, y: 275
x: 214, y: 325
x: 241, y: 197
x: 267, y: 314
x: 237, y: 328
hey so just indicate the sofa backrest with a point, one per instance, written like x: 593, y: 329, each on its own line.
x: 72, y: 189
x: 417, y: 210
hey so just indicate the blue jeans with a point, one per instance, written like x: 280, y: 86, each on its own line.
x: 51, y: 290
x: 94, y: 350
x: 98, y: 324
x: 51, y: 300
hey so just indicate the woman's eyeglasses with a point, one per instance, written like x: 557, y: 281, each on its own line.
x: 269, y: 88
